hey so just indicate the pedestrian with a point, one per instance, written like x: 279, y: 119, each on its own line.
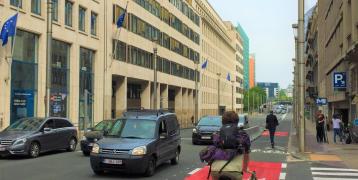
x: 337, y: 127
x: 320, y: 128
x: 271, y: 124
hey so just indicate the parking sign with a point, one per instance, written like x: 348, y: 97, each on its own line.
x: 339, y: 80
x: 321, y: 101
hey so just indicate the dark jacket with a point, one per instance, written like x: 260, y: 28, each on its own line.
x: 271, y: 121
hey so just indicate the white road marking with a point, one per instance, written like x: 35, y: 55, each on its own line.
x: 284, y: 166
x: 335, y: 174
x: 332, y: 169
x: 194, y: 171
x: 325, y: 178
x: 282, y: 176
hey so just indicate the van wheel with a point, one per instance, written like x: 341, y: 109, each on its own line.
x: 34, y: 150
x: 72, y: 145
x: 175, y: 160
x: 150, y: 168
x: 86, y: 153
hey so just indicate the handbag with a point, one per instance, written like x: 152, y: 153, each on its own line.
x: 232, y: 169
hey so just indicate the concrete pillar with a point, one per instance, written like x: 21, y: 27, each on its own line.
x: 191, y: 105
x: 354, y: 6
x: 179, y: 105
x: 185, y: 107
x: 121, y: 96
x: 164, y: 96
x: 145, y: 95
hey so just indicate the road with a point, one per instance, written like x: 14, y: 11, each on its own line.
x: 74, y: 166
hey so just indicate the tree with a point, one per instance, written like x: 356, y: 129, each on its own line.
x: 254, y: 98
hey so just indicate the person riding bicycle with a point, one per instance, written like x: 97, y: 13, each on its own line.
x: 228, y: 157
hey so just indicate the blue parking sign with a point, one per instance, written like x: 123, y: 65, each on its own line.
x: 321, y: 101
x: 339, y: 80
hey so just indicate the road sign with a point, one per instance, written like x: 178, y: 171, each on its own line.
x: 339, y: 80
x: 321, y: 101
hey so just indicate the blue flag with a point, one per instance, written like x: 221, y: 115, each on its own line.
x: 8, y: 29
x: 228, y: 77
x: 120, y: 20
x: 204, y: 65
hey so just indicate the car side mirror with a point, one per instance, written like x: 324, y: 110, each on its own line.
x: 163, y: 136
x: 47, y: 129
x: 89, y: 129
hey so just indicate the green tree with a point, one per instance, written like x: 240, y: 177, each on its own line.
x: 254, y: 98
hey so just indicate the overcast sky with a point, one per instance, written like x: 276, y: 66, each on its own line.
x: 268, y: 24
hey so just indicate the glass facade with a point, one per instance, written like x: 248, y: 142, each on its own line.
x: 16, y: 3
x: 36, y: 7
x: 60, y: 79
x: 82, y: 19
x: 24, y: 76
x: 86, y: 88
x: 55, y: 10
x: 94, y: 23
x: 68, y: 13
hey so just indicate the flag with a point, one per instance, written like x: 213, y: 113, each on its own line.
x: 8, y: 29
x: 120, y: 20
x: 228, y: 77
x: 204, y: 65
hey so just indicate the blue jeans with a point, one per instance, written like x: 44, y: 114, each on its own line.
x: 272, y: 135
x: 336, y: 132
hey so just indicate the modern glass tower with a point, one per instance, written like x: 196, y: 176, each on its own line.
x: 246, y: 55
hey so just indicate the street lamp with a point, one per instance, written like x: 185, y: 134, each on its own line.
x: 232, y: 95
x: 155, y: 51
x: 196, y: 115
x: 219, y: 74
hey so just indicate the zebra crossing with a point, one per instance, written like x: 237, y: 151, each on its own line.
x: 328, y: 173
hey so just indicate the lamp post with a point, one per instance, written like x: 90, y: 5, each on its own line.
x: 301, y: 42
x: 296, y: 78
x: 232, y: 95
x: 48, y: 56
x: 155, y: 51
x: 219, y: 74
x: 196, y: 115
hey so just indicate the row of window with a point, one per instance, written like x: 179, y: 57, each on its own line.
x: 186, y: 10
x: 154, y: 7
x: 145, y: 59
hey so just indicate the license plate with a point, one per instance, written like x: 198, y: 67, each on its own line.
x: 2, y: 149
x: 205, y: 137
x: 90, y: 144
x: 113, y: 161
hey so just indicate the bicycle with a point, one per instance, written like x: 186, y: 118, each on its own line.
x: 253, y: 175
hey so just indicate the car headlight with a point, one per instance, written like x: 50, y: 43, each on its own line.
x: 95, y: 148
x: 138, y: 151
x: 20, y: 141
x: 195, y: 130
x: 95, y: 140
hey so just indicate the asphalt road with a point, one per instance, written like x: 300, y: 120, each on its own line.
x: 74, y: 166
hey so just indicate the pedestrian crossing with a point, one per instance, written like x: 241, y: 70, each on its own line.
x: 327, y: 173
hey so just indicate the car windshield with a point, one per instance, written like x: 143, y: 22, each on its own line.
x: 104, y: 125
x: 27, y: 124
x: 210, y: 121
x: 241, y: 119
x: 133, y: 128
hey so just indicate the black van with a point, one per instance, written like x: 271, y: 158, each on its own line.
x: 138, y: 143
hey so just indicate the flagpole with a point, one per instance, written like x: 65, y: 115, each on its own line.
x: 116, y: 41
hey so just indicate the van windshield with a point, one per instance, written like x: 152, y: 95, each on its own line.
x: 133, y: 128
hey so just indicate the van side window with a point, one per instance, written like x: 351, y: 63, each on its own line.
x: 172, y: 125
x: 163, y: 127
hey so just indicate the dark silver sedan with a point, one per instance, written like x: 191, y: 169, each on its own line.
x: 32, y: 136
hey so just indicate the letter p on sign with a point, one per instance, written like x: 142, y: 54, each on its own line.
x: 339, y: 80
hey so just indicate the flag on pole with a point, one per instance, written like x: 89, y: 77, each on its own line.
x: 204, y: 65
x: 120, y: 20
x: 8, y: 30
x: 228, y: 77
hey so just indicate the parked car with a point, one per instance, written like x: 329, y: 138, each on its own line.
x: 138, y: 143
x: 205, y: 128
x: 32, y: 136
x: 243, y: 121
x: 94, y: 134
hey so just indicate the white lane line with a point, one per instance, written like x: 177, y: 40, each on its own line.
x: 186, y: 138
x: 335, y: 174
x: 325, y: 178
x: 194, y: 171
x: 333, y: 169
x: 283, y: 165
x: 79, y: 151
x: 282, y: 176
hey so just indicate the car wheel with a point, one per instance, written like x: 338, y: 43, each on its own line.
x: 86, y: 153
x: 194, y: 142
x: 98, y: 172
x: 175, y: 160
x: 34, y: 150
x: 150, y: 168
x: 72, y: 145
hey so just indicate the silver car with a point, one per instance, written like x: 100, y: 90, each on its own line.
x: 32, y: 136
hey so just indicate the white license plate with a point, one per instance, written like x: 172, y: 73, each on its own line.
x: 205, y: 137
x: 113, y: 161
x: 2, y: 149
x: 90, y: 144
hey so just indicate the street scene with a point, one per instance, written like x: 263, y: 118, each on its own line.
x: 179, y: 89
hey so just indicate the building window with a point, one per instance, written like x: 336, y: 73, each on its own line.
x: 117, y: 11
x: 55, y: 10
x: 141, y: 58
x: 94, y: 23
x: 24, y: 76
x: 120, y: 52
x: 60, y: 79
x: 86, y: 87
x: 68, y: 13
x: 16, y: 3
x: 36, y: 7
x: 82, y: 19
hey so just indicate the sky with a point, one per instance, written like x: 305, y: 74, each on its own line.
x: 268, y: 23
